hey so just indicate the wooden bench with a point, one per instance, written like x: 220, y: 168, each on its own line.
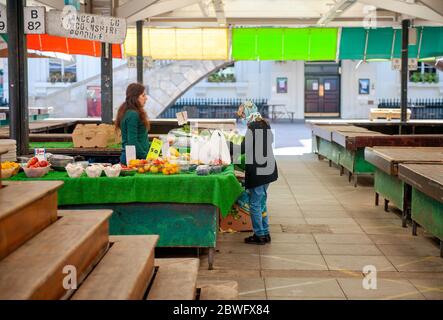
x: 47, y: 254
x: 387, y: 114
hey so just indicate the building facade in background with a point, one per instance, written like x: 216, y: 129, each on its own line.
x: 347, y: 90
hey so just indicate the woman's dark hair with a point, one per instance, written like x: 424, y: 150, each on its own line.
x: 133, y: 92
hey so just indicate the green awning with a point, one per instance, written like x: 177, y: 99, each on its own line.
x: 309, y: 44
x: 5, y: 37
x: 385, y: 43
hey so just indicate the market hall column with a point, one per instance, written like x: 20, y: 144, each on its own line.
x: 404, y: 74
x: 18, y: 76
x: 107, y: 83
x: 140, y: 51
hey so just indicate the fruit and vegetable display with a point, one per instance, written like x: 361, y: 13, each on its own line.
x: 35, y: 163
x: 36, y: 168
x: 113, y: 171
x: 94, y: 171
x: 9, y: 169
x: 75, y: 170
x: 154, y: 166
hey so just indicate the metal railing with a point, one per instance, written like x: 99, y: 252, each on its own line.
x: 422, y: 108
x: 202, y: 108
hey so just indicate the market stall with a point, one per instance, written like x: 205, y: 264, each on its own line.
x: 386, y: 161
x: 179, y: 191
x: 426, y: 181
x: 344, y: 145
x: 183, y: 208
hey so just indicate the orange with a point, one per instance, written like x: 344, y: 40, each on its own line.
x: 153, y: 169
x: 141, y: 170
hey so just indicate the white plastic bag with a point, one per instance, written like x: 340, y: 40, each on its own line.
x: 200, y: 149
x: 219, y: 148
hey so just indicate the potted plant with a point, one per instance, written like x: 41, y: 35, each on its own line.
x: 416, y: 77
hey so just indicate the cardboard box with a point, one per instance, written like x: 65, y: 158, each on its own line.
x: 95, y: 136
x: 240, y: 222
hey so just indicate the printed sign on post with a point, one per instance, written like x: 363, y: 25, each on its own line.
x: 34, y: 20
x: 182, y: 118
x: 3, y: 19
x: 154, y: 150
x: 84, y: 26
x: 40, y: 154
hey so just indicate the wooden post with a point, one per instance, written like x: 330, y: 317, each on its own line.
x: 404, y: 73
x: 140, y: 51
x: 18, y: 76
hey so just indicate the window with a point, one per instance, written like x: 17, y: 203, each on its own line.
x: 426, y: 73
x: 224, y: 75
x: 62, y: 71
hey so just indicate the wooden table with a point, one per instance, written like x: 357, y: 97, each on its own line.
x: 344, y: 145
x: 386, y: 181
x: 426, y: 181
x: 45, y: 126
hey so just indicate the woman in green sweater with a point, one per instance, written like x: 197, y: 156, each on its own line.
x: 133, y: 122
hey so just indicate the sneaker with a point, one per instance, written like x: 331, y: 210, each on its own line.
x: 255, y: 240
x: 268, y: 238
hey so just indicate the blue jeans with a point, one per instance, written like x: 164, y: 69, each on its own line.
x: 257, y: 207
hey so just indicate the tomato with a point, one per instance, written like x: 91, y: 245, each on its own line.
x: 32, y: 162
x: 43, y: 163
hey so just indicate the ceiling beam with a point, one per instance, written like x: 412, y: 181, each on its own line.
x: 132, y: 7
x: 435, y: 5
x: 336, y: 11
x: 278, y: 22
x: 56, y: 4
x: 204, y: 8
x: 219, y: 12
x: 409, y: 9
x: 160, y: 7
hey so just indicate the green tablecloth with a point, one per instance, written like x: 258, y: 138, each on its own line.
x: 62, y: 145
x: 221, y: 190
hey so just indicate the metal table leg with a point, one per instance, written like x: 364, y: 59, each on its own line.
x: 386, y: 205
x: 211, y: 255
x: 407, y: 196
x: 414, y: 228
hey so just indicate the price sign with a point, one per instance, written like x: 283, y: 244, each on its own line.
x: 2, y: 116
x: 3, y: 19
x: 40, y: 154
x: 154, y: 151
x: 182, y: 118
x: 412, y: 64
x: 34, y: 20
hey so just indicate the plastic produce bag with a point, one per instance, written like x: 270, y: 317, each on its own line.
x: 219, y: 149
x: 200, y: 149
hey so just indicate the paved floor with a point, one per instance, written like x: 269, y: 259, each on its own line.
x: 324, y: 232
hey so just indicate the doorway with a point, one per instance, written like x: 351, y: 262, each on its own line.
x: 322, y: 90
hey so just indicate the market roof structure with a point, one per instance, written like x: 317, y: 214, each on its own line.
x: 220, y: 13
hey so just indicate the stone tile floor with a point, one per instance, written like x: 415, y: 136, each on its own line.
x: 325, y: 232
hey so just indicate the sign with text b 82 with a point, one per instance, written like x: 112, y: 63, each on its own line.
x: 35, y: 20
x: 3, y: 20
